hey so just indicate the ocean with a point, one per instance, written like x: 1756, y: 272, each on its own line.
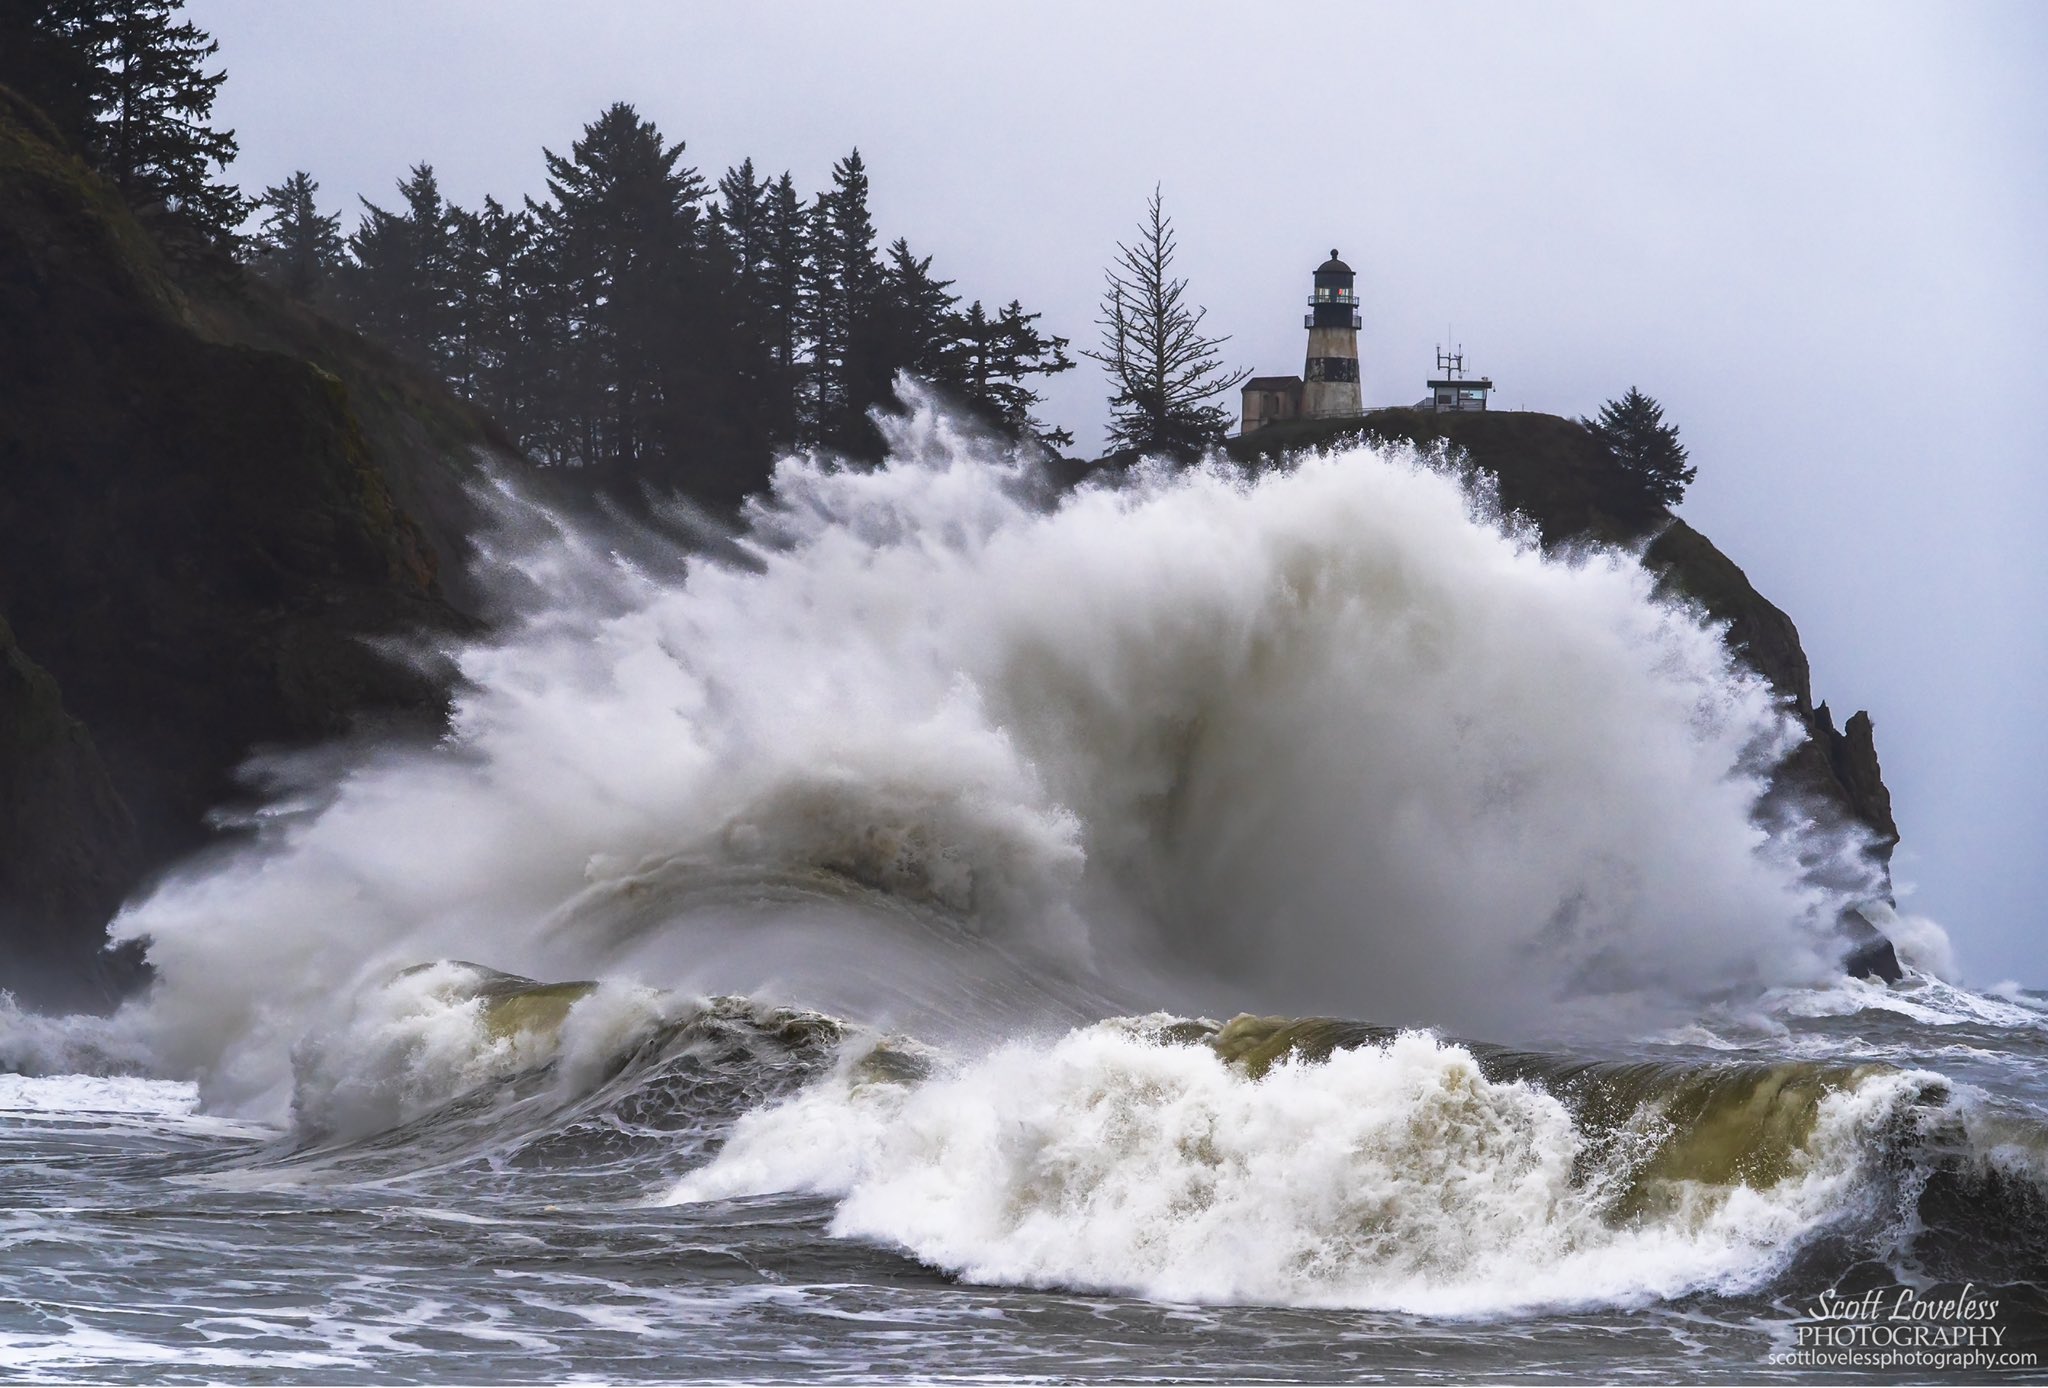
x: 1279, y: 928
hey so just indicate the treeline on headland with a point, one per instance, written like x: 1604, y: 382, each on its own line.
x: 643, y: 323
x: 641, y: 326
x: 214, y: 495
x: 639, y: 322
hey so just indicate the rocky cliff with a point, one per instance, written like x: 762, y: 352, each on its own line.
x: 211, y: 501
x: 1551, y: 471
x: 67, y: 844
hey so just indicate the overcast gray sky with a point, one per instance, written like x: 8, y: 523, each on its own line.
x: 1815, y: 233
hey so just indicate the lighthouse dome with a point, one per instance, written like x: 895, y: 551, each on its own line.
x: 1333, y: 266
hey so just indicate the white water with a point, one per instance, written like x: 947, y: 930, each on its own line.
x: 1393, y: 1177
x: 96, y: 1094
x: 426, y: 1037
x: 1332, y: 740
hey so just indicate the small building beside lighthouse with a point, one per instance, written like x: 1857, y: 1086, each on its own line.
x: 1328, y: 386
x: 1269, y: 400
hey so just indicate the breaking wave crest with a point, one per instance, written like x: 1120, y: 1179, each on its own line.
x: 937, y: 747
x: 1309, y: 1162
x: 1299, y: 1164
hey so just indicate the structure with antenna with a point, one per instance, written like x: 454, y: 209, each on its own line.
x: 1454, y: 391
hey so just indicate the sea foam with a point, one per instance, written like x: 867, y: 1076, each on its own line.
x: 1334, y: 738
x: 1393, y: 1177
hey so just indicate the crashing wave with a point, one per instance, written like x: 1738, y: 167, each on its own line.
x: 1331, y: 737
x: 1321, y: 1163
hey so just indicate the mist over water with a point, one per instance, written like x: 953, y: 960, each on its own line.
x: 889, y: 940
x: 934, y: 745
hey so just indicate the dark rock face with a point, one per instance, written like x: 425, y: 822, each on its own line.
x: 1833, y: 773
x: 209, y: 499
x: 1852, y: 756
x: 67, y: 845
x: 1870, y: 954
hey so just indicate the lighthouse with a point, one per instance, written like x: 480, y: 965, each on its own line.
x: 1328, y: 385
x: 1330, y: 377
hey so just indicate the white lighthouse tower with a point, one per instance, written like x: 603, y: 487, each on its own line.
x: 1330, y: 377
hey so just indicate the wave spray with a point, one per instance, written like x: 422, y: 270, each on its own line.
x: 935, y: 742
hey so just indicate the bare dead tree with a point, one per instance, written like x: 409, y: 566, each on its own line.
x: 1164, y: 371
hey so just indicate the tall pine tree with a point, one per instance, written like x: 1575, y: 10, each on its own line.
x: 624, y: 228
x: 126, y: 81
x: 153, y: 140
x: 1001, y: 353
x: 845, y: 285
x: 504, y: 332
x: 740, y: 227
x: 784, y: 268
x: 746, y: 231
x: 298, y: 247
x: 912, y: 327
x: 1164, y: 373
x: 402, y: 287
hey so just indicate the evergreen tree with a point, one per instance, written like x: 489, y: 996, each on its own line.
x: 844, y: 287
x: 785, y: 258
x: 505, y: 335
x: 758, y: 229
x: 297, y: 247
x: 740, y: 225
x: 624, y: 228
x: 1000, y: 353
x: 540, y: 357
x: 127, y: 82
x: 981, y: 345
x: 52, y: 52
x: 913, y: 326
x: 153, y: 140
x: 1634, y: 435
x: 401, y: 289
x: 1162, y: 368
x: 378, y: 286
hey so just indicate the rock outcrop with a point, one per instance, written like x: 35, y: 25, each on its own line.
x: 1551, y: 471
x: 211, y: 501
x: 1869, y: 954
x: 67, y: 844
